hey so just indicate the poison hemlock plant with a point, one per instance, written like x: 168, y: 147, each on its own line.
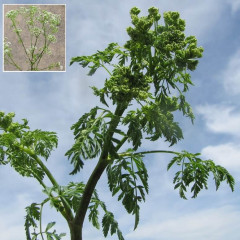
x: 35, y: 30
x: 154, y: 62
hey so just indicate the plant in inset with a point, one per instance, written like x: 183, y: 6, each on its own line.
x: 41, y: 27
x: 147, y: 83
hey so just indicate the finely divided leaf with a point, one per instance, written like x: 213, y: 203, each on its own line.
x: 195, y: 172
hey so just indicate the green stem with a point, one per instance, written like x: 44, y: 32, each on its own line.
x: 35, y: 44
x: 30, y: 34
x: 13, y: 63
x: 98, y: 170
x: 64, y: 202
x: 40, y: 221
x: 102, y: 65
x: 45, y: 46
x: 124, y: 139
x: 41, y: 164
x: 125, y: 154
x: 39, y: 180
x: 182, y: 169
x: 67, y: 208
x: 20, y: 39
x: 69, y: 215
x: 178, y: 89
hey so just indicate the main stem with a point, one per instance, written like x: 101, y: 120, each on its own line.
x: 77, y: 225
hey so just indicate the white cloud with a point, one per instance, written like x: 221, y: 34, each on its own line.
x: 231, y: 75
x: 221, y: 119
x: 227, y: 155
x: 213, y: 224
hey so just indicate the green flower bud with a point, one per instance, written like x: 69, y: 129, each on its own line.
x: 12, y: 14
x: 135, y: 11
x: 51, y: 38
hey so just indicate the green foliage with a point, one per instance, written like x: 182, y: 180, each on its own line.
x: 158, y: 48
x: 151, y: 58
x: 94, y: 213
x: 123, y: 178
x: 98, y: 59
x: 20, y: 147
x: 143, y: 63
x: 195, y: 172
x: 148, y: 79
x: 89, y: 132
x: 155, y: 119
x: 109, y: 224
x: 41, y: 142
x: 72, y: 193
x: 34, y: 213
x: 152, y: 71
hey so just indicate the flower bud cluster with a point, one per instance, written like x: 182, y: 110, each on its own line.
x: 51, y: 38
x: 12, y: 14
x: 49, y: 18
x: 7, y: 48
x: 162, y: 49
x: 127, y: 84
x: 33, y: 16
x: 36, y: 31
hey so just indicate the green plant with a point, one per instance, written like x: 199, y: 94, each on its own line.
x: 41, y: 26
x: 148, y: 78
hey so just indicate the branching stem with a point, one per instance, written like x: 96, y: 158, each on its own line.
x: 13, y: 63
x: 68, y: 215
x: 20, y: 39
x: 125, y: 154
x: 102, y: 65
x: 41, y: 164
x: 98, y: 170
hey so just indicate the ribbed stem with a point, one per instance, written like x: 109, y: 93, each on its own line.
x: 96, y: 174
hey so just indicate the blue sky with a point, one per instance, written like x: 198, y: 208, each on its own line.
x: 54, y: 101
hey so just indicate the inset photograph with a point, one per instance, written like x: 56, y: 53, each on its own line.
x: 34, y: 37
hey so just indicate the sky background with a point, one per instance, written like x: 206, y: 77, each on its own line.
x: 54, y: 101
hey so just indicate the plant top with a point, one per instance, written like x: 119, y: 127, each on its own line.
x: 147, y: 82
